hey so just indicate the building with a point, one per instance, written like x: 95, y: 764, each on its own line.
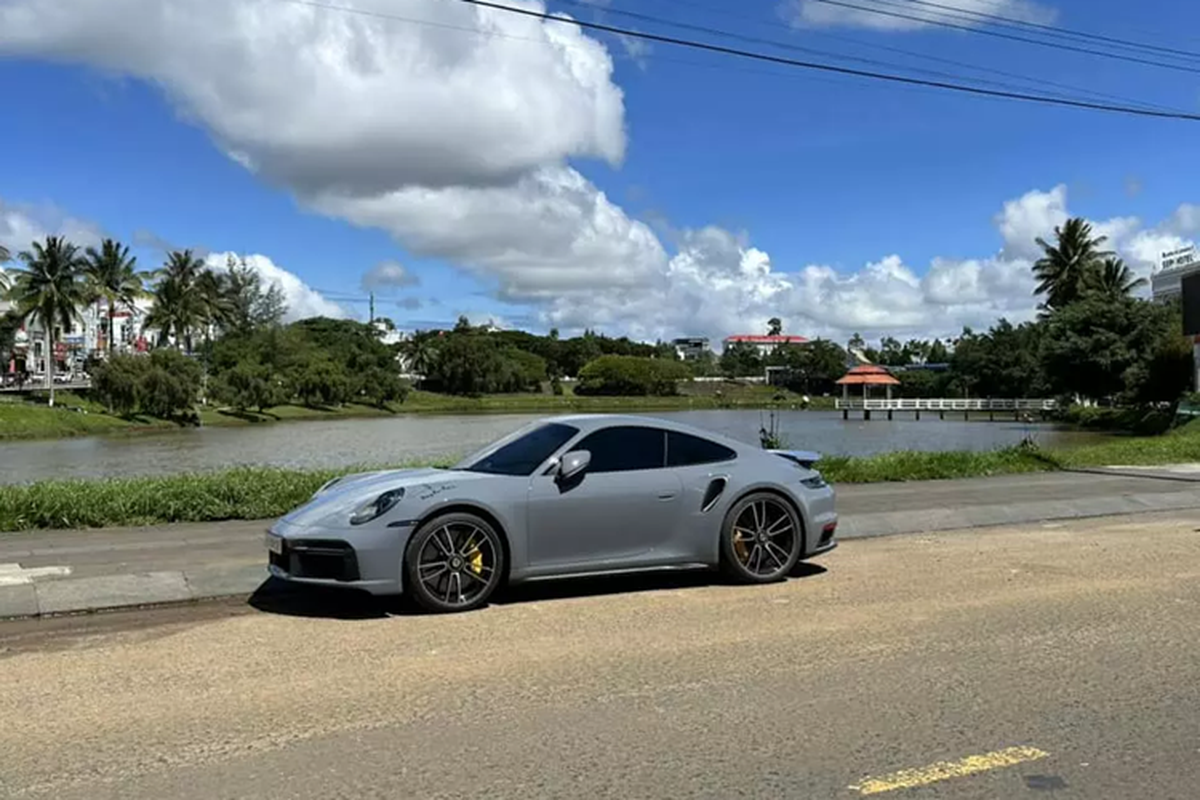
x: 1174, y: 266
x: 690, y: 348
x: 765, y: 344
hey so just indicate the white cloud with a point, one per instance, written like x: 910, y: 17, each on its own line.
x: 456, y: 143
x: 302, y: 300
x: 22, y: 224
x: 888, y: 16
x: 388, y: 275
x: 718, y: 284
x: 551, y: 232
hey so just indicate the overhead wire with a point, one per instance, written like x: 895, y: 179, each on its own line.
x: 900, y: 51
x: 791, y: 46
x: 945, y: 23
x: 833, y: 68
x: 1021, y: 96
x: 1056, y: 30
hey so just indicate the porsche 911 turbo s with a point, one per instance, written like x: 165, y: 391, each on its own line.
x: 564, y: 496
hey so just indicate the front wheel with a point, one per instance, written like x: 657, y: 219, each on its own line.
x: 453, y: 563
x: 761, y: 539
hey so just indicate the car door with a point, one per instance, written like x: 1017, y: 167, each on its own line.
x: 620, y: 512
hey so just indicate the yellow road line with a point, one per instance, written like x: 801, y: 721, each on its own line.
x: 944, y: 770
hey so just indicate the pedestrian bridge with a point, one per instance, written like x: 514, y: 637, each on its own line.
x: 942, y: 405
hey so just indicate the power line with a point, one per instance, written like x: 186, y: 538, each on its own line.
x: 714, y: 48
x: 1046, y: 98
x: 1012, y: 37
x: 775, y: 43
x: 1059, y: 31
x: 789, y: 46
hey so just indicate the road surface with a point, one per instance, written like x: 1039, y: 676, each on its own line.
x: 1058, y: 658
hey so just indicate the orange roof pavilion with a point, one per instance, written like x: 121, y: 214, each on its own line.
x: 866, y: 376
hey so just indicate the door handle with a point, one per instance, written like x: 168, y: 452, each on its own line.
x: 667, y: 496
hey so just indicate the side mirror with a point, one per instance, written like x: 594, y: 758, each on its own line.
x: 573, y: 464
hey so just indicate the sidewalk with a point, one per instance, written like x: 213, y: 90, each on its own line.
x: 56, y: 572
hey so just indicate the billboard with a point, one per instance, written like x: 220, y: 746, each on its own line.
x: 1183, y: 257
x: 1191, y: 304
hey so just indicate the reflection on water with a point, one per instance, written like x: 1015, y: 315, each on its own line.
x: 402, y: 438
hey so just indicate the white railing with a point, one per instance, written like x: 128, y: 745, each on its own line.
x: 40, y: 384
x: 945, y: 404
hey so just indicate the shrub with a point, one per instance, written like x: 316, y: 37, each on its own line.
x: 631, y: 376
x: 323, y: 383
x: 381, y: 386
x: 118, y: 383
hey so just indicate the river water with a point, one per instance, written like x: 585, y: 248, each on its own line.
x: 402, y: 438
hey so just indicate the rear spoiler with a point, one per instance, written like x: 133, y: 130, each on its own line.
x: 805, y: 458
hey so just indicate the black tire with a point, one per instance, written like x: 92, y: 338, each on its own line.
x: 453, y: 562
x: 758, y: 547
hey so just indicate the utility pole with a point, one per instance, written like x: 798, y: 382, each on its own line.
x: 372, y: 308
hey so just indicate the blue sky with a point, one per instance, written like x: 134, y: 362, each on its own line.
x: 712, y: 168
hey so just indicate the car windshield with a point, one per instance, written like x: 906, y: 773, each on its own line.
x: 521, y: 452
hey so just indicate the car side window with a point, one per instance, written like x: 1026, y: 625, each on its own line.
x: 685, y: 450
x: 625, y: 448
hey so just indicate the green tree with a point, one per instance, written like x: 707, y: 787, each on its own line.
x: 119, y: 381
x: 323, y: 383
x: 251, y: 386
x: 111, y: 276
x: 1068, y: 266
x: 938, y: 354
x: 631, y: 376
x: 382, y: 386
x: 774, y: 326
x: 50, y: 288
x: 1099, y: 347
x: 251, y: 305
x: 740, y: 360
x: 171, y: 386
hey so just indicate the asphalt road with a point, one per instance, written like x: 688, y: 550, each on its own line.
x: 1054, y: 659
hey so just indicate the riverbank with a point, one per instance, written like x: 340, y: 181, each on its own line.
x: 75, y: 415
x: 261, y: 493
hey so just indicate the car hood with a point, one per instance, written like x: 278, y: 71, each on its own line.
x: 334, y: 502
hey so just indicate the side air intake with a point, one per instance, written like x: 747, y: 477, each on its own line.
x: 713, y: 493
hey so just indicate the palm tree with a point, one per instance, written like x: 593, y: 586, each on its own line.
x: 5, y: 257
x: 1115, y: 279
x: 111, y: 276
x: 215, y: 301
x: 1067, y: 266
x: 178, y: 306
x: 50, y: 288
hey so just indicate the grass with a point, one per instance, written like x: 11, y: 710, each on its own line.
x: 239, y: 493
x: 262, y: 493
x: 78, y: 416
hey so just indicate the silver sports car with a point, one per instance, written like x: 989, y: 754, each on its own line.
x: 564, y: 496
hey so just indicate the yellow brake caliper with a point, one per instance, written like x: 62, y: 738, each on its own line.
x: 475, y: 558
x: 739, y: 545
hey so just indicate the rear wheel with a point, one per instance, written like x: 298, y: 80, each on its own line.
x: 453, y: 563
x: 761, y: 539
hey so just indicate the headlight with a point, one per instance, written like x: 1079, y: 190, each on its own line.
x: 817, y: 481
x: 377, y: 507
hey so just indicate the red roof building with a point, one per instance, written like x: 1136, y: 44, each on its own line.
x: 765, y: 344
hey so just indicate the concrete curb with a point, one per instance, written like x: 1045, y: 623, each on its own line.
x: 107, y: 592
x: 51, y: 597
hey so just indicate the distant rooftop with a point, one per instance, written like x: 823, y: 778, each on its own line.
x: 749, y: 338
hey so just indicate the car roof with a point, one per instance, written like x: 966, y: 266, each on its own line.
x: 591, y: 422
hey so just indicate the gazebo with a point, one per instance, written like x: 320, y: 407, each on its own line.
x: 866, y: 376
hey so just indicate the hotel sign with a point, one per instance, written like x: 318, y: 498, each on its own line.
x: 1183, y: 257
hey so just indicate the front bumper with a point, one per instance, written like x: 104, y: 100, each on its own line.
x: 368, y: 560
